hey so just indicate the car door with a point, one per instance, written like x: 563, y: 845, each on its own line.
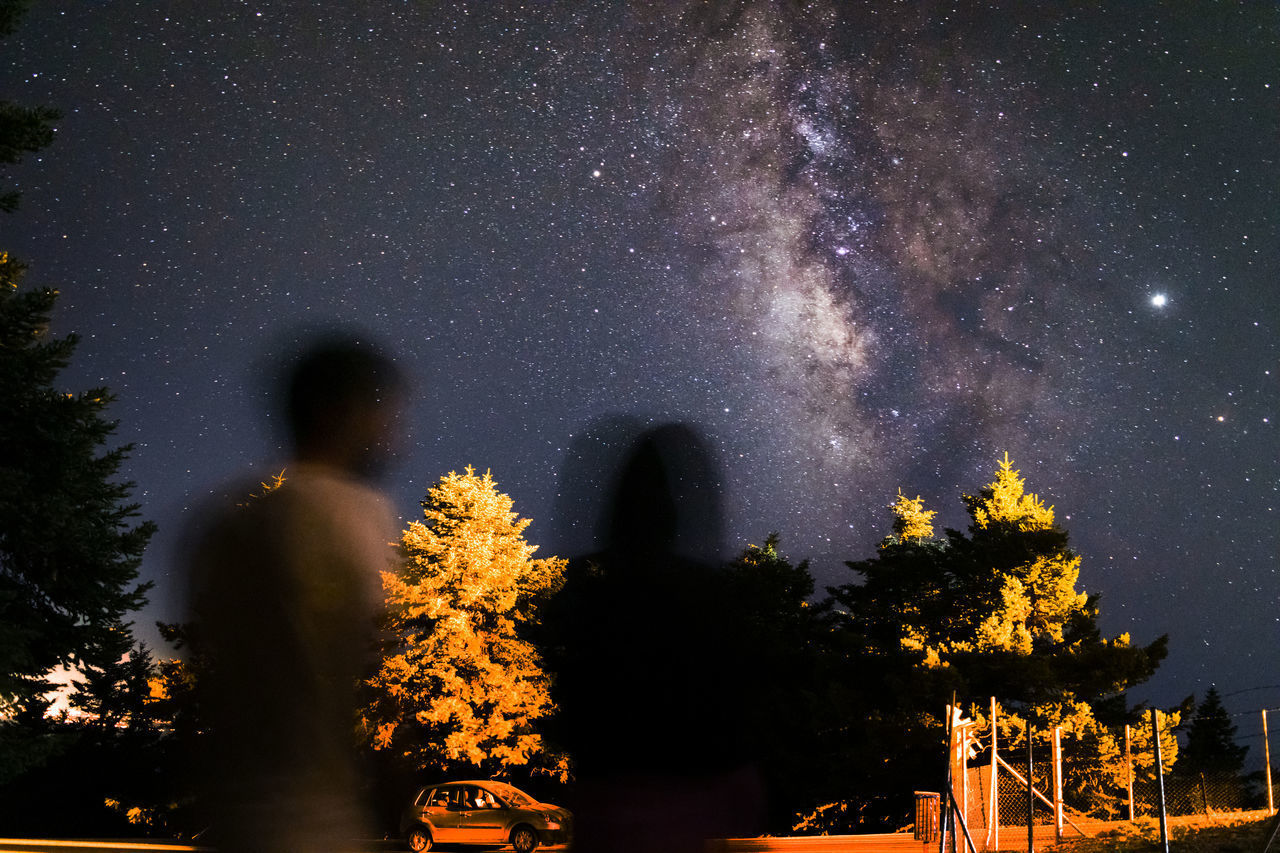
x: 440, y: 812
x: 488, y: 817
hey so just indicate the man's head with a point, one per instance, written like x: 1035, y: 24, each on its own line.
x: 343, y: 399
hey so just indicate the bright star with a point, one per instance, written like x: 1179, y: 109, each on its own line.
x: 1159, y: 300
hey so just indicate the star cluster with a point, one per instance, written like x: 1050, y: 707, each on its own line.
x: 864, y: 247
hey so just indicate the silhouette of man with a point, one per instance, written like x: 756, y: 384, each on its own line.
x: 284, y: 590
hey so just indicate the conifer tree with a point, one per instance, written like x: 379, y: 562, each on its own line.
x: 912, y: 522
x: 69, y: 546
x: 1211, y: 738
x: 779, y: 638
x: 23, y: 130
x: 994, y: 612
x: 118, y: 694
x: 458, y: 684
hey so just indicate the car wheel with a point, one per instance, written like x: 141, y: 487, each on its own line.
x: 419, y: 839
x: 524, y: 839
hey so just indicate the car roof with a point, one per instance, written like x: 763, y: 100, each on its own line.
x: 485, y: 783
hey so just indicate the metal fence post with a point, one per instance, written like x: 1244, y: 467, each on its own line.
x: 993, y: 810
x: 944, y: 801
x: 964, y: 774
x: 1164, y: 823
x: 1266, y: 748
x: 1057, y: 781
x: 1031, y: 796
x: 1128, y: 768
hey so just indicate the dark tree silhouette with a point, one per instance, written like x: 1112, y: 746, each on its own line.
x: 69, y: 550
x: 69, y: 545
x: 1212, y: 759
x: 23, y: 130
x: 1211, y: 739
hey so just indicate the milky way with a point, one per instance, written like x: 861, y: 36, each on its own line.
x: 863, y: 246
x: 887, y: 231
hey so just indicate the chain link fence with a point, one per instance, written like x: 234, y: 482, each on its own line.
x: 1202, y: 793
x: 1090, y: 783
x: 1185, y: 794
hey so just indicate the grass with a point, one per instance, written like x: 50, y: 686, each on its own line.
x: 1232, y: 832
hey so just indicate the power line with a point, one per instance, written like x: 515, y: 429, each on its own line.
x: 1251, y: 689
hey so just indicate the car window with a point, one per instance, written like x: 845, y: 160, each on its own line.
x: 513, y: 795
x: 465, y: 797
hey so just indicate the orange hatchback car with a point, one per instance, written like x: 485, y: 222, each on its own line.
x: 482, y: 812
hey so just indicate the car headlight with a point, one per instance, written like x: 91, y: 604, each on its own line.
x: 553, y: 824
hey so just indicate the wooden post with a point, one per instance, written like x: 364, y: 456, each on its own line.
x: 1164, y: 821
x: 1128, y: 768
x: 1057, y: 781
x: 1031, y: 796
x: 1266, y: 750
x: 993, y: 806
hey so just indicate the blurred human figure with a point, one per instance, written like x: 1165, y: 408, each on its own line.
x: 285, y: 586
x: 648, y: 685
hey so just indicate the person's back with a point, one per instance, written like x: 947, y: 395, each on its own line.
x: 285, y: 589
x: 648, y: 678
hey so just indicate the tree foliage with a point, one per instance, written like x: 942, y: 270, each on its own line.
x: 788, y: 702
x: 459, y: 685
x: 69, y: 546
x: 911, y: 522
x: 994, y: 611
x: 23, y: 130
x: 69, y: 556
x: 1211, y: 740
x: 117, y: 694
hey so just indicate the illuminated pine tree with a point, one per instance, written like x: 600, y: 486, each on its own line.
x: 1005, y: 501
x: 458, y: 684
x: 912, y: 521
x: 1031, y: 597
x: 997, y: 612
x: 1007, y: 587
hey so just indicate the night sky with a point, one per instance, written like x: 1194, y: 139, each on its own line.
x: 864, y: 246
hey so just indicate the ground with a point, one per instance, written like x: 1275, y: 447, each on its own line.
x: 1234, y: 832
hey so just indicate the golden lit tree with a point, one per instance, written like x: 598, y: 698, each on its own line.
x: 911, y: 520
x: 1037, y: 596
x: 997, y: 612
x: 458, y: 684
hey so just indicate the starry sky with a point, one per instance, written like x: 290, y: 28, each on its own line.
x: 863, y: 246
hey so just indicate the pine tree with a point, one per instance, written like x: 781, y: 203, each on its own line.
x: 912, y: 522
x: 118, y: 694
x: 459, y: 685
x: 1022, y: 584
x: 995, y: 612
x: 23, y: 130
x: 69, y: 547
x: 1211, y: 746
x: 779, y: 639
